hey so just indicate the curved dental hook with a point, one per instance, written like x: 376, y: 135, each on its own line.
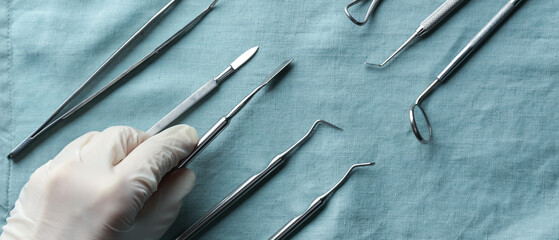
x: 372, y: 8
x: 417, y: 103
x: 344, y: 178
x: 306, y: 137
x: 246, y: 186
x: 418, y: 33
x: 316, y: 205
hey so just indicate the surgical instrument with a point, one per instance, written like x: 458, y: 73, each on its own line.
x: 316, y: 205
x: 426, y: 26
x: 248, y: 185
x: 202, y: 92
x: 224, y: 121
x: 370, y: 10
x: 459, y: 59
x: 160, y: 49
x: 90, y: 78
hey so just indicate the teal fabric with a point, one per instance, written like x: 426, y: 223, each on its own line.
x: 491, y: 171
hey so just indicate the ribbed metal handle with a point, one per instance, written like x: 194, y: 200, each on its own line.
x: 478, y: 39
x: 441, y: 13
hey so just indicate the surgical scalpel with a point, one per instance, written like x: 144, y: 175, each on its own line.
x: 247, y: 186
x: 224, y: 121
x: 160, y: 49
x: 202, y: 92
x: 459, y: 59
x: 316, y: 205
x: 427, y: 25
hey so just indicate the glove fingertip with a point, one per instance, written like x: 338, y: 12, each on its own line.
x: 180, y: 181
x: 186, y: 136
x: 190, y: 180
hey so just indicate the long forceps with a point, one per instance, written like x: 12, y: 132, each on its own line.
x: 459, y: 59
x: 248, y: 185
x: 370, y: 11
x: 160, y: 49
x: 202, y: 92
x: 316, y: 205
x: 426, y: 26
x: 224, y: 121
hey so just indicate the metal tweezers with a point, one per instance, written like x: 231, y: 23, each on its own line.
x: 53, y: 120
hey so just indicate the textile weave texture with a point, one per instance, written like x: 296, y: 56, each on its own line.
x: 490, y: 172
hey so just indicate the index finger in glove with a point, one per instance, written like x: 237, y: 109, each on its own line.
x: 150, y: 161
x: 72, y: 150
x: 112, y: 145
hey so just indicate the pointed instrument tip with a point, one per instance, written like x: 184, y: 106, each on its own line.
x: 213, y: 4
x: 362, y: 165
x: 241, y: 60
x: 254, y: 49
x: 376, y: 65
x: 327, y: 123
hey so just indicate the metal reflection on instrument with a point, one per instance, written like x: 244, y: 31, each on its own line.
x: 248, y: 185
x: 51, y: 121
x: 316, y: 205
x: 370, y: 11
x: 426, y: 26
x: 202, y: 92
x: 224, y: 121
x: 457, y: 61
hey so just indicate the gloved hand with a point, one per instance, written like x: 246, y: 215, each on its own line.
x: 106, y: 185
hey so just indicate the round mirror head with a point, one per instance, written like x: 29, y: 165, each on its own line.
x: 420, y: 124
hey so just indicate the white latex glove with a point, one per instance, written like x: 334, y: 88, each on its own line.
x: 106, y: 185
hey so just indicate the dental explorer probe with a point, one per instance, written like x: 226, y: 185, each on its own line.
x: 459, y: 59
x: 247, y: 186
x: 202, y: 92
x: 224, y: 121
x: 426, y: 26
x: 160, y: 49
x: 316, y: 205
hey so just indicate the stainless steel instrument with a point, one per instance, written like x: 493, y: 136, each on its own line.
x: 224, y: 121
x: 453, y: 65
x: 316, y: 205
x: 247, y: 186
x: 202, y: 92
x: 49, y: 123
x: 427, y: 25
x: 370, y: 11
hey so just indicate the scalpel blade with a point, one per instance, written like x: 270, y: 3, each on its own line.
x: 241, y: 60
x: 202, y: 92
